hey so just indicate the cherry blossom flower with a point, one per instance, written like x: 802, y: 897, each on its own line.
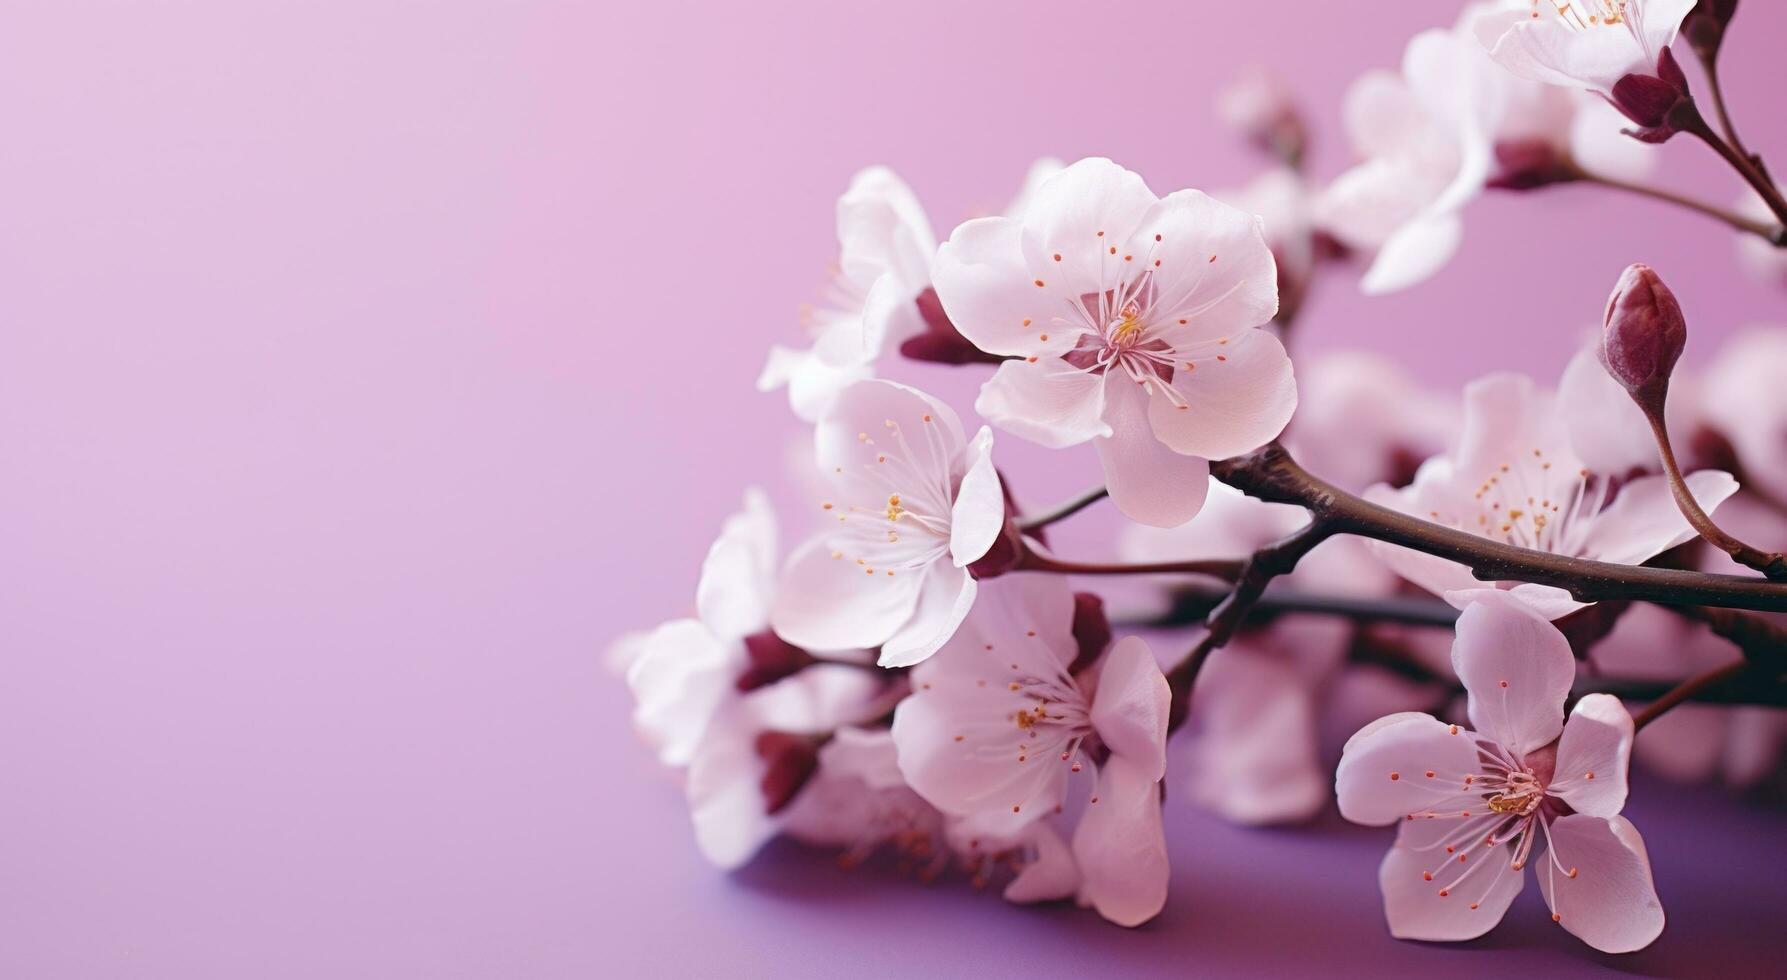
x: 998, y: 723
x: 915, y: 503
x: 1587, y: 44
x: 1471, y: 804
x: 1515, y: 475
x: 858, y: 801
x: 1365, y: 421
x: 1130, y: 320
x: 1434, y: 136
x: 1742, y: 395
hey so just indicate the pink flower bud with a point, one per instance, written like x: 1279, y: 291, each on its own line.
x: 1643, y: 332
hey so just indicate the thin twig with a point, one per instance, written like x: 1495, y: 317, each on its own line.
x: 1063, y: 511
x: 1034, y: 562
x: 1191, y: 604
x: 1696, y: 126
x: 1775, y: 233
x: 1687, y: 689
x: 1771, y: 564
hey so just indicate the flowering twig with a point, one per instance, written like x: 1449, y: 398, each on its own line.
x: 1270, y: 474
x: 1774, y: 233
x: 1064, y: 510
x: 1771, y: 564
x: 1693, y: 123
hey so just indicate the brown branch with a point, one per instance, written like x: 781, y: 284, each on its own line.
x: 1063, y: 511
x: 1190, y: 604
x: 1771, y: 564
x: 1272, y: 475
x: 1689, y: 688
x: 1031, y: 561
x: 1772, y: 232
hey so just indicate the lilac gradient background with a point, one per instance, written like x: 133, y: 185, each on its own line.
x: 364, y: 369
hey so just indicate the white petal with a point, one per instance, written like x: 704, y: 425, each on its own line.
x: 1644, y: 520
x: 1611, y: 903
x: 1229, y: 406
x: 826, y: 603
x: 979, y: 512
x: 1593, y: 757
x: 1048, y: 402
x: 1382, y: 777
x: 1476, y: 894
x: 943, y: 602
x: 1066, y: 217
x: 1129, y: 710
x: 991, y: 295
x: 1120, y: 846
x: 738, y: 577
x: 1516, y: 668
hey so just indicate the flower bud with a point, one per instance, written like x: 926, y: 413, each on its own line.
x: 1643, y: 332
x: 1705, y: 25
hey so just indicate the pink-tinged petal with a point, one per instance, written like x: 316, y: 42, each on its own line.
x: 1548, y: 601
x: 979, y: 512
x: 1517, y: 669
x: 1544, y: 48
x: 1435, y: 574
x: 1611, y: 903
x: 883, y: 229
x: 1254, y: 758
x: 1606, y: 428
x: 725, y: 793
x: 827, y: 603
x: 1506, y: 417
x: 1593, y: 757
x: 855, y: 432
x: 680, y: 678
x: 1024, y: 618
x: 890, y: 316
x: 958, y: 748
x: 1121, y: 846
x: 1381, y: 116
x: 1413, y: 253
x: 1049, y: 402
x: 1238, y: 398
x: 1644, y: 521
x: 1129, y: 709
x: 1365, y: 205
x: 821, y: 698
x: 1210, y: 267
x: 812, y: 384
x: 1051, y: 875
x: 1743, y: 396
x: 1080, y: 214
x: 1382, y: 776
x: 738, y: 577
x: 1039, y: 173
x: 943, y: 602
x: 1148, y: 481
x: 991, y: 295
x: 1430, y: 895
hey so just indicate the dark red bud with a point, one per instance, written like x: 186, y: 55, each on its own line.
x: 771, y: 659
x: 942, y: 343
x: 788, y: 762
x: 1704, y: 27
x: 1091, y: 630
x: 1526, y: 164
x: 1643, y: 331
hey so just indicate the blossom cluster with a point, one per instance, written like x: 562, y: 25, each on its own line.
x: 922, y: 675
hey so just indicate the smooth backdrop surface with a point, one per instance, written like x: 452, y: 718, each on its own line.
x: 365, y: 367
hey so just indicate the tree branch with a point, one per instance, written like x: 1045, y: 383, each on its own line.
x: 1063, y: 511
x: 1031, y: 561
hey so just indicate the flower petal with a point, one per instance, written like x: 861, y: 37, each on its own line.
x: 1644, y: 520
x: 882, y: 229
x: 1414, y: 252
x: 1431, y: 572
x: 1079, y: 214
x: 734, y: 593
x: 943, y: 602
x: 1382, y: 776
x: 1230, y: 405
x: 812, y: 384
x: 1611, y: 903
x: 979, y: 512
x: 1049, y: 402
x: 991, y: 295
x: 826, y: 603
x: 1148, y: 481
x: 1255, y: 751
x: 855, y: 431
x: 681, y: 677
x: 1430, y: 896
x: 1051, y: 875
x: 1209, y: 265
x: 1129, y: 709
x: 1593, y: 757
x: 725, y: 794
x: 1517, y: 669
x: 1121, y: 845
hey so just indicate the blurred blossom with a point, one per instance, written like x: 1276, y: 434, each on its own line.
x: 1470, y: 805
x: 1765, y: 261
x: 914, y: 503
x: 1130, y: 320
x: 997, y: 726
x: 1744, y: 395
x: 1259, y: 105
x: 1515, y: 475
x: 1365, y: 420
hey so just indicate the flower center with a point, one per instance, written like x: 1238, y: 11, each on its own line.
x: 1531, y: 503
x: 1583, y: 14
x: 1126, y: 329
x: 1520, y: 795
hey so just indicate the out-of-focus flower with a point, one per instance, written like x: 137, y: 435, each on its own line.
x: 884, y: 264
x: 1260, y: 106
x: 1742, y: 394
x: 858, y: 801
x: 1285, y: 204
x: 1471, y: 805
x: 1616, y: 48
x: 997, y: 724
x: 915, y: 504
x: 1131, y: 321
x: 1765, y: 262
x: 1252, y: 750
x: 1434, y: 136
x: 1514, y: 475
x: 1365, y: 421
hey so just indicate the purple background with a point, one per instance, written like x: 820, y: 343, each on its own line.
x: 364, y: 370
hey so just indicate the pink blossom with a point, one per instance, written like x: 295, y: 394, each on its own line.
x: 1471, y: 804
x: 998, y: 723
x: 914, y: 503
x: 1586, y: 44
x: 1130, y: 320
x: 1365, y: 421
x: 1514, y: 475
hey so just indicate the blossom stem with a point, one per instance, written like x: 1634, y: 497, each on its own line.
x: 1258, y: 571
x: 1063, y: 511
x: 1773, y: 232
x: 1270, y: 474
x: 1709, y: 65
x: 1771, y: 564
x: 1692, y: 687
x: 1192, y: 603
x: 1034, y: 562
x: 1696, y: 125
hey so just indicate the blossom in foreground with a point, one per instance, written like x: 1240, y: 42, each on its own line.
x: 1515, y: 476
x: 1432, y: 137
x: 1000, y: 721
x: 914, y: 504
x: 1586, y: 44
x: 1130, y: 321
x: 1474, y: 806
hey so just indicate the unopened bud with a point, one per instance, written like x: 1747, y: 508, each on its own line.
x: 1705, y: 26
x: 1643, y: 332
x: 1091, y: 629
